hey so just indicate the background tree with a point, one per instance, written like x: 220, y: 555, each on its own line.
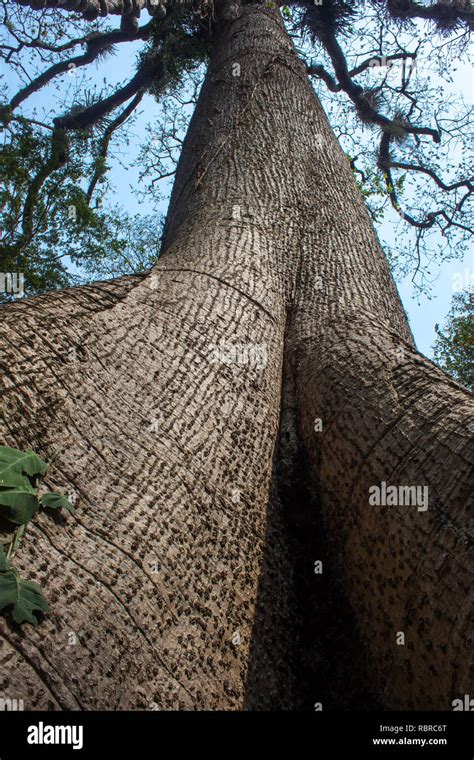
x: 49, y: 228
x: 223, y: 416
x: 454, y: 346
x: 52, y: 230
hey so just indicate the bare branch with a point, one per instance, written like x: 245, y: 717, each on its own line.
x: 95, y: 46
x: 105, y: 142
x: 356, y: 93
x: 424, y: 170
x: 319, y: 71
x: 385, y: 164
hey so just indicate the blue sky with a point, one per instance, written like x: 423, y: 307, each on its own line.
x: 423, y: 310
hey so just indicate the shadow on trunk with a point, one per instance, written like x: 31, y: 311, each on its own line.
x: 306, y: 653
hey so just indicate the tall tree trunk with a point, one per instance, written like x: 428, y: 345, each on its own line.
x: 185, y: 580
x: 369, y: 409
x: 167, y: 441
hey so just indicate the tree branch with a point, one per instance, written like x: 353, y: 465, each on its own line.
x: 91, y: 9
x: 81, y: 119
x: 57, y: 158
x: 95, y: 46
x: 356, y: 93
x: 105, y: 142
x: 444, y: 15
x: 319, y: 71
x: 385, y: 164
x: 424, y: 170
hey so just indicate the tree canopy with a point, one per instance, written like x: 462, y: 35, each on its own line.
x: 372, y: 64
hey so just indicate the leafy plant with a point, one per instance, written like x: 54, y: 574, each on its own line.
x: 20, y: 476
x: 454, y: 346
x: 25, y: 596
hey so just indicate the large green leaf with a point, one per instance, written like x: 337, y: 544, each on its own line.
x: 25, y: 596
x: 55, y: 501
x: 14, y: 464
x: 18, y: 505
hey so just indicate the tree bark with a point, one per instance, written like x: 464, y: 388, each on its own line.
x: 387, y: 415
x: 169, y: 451
x: 185, y: 580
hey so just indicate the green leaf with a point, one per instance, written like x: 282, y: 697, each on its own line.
x: 25, y: 596
x: 56, y: 501
x: 20, y: 486
x: 18, y: 505
x: 13, y: 463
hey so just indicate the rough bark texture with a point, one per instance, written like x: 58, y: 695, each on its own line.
x: 193, y: 525
x: 387, y: 415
